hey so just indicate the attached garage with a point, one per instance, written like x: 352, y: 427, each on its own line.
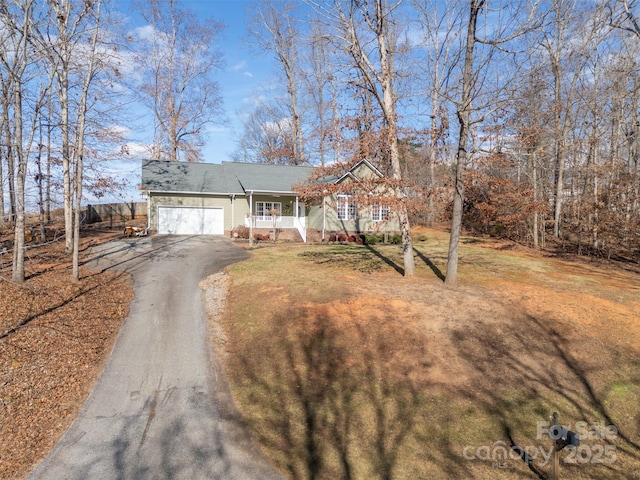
x: 186, y: 198
x: 190, y: 220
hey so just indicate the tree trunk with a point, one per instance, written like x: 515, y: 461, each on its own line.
x: 536, y: 197
x: 297, y: 140
x: 18, y: 73
x: 6, y: 132
x: 62, y: 74
x: 389, y: 108
x: 19, y: 229
x: 2, y: 213
x: 5, y: 147
x: 433, y: 145
x: 76, y: 215
x: 558, y: 180
x: 48, y: 178
x: 464, y: 117
x: 40, y: 183
x: 79, y: 142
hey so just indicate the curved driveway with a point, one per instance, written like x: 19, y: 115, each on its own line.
x: 161, y: 408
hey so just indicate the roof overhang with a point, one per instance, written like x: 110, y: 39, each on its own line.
x: 180, y: 192
x: 270, y: 192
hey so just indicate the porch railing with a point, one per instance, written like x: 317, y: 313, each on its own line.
x: 300, y: 225
x: 266, y: 221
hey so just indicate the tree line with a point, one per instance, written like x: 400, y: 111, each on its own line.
x: 518, y: 119
x: 69, y: 72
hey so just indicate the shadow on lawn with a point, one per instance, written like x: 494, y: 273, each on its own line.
x: 386, y: 260
x: 330, y: 399
x: 438, y: 273
x: 347, y: 397
x: 528, y: 369
x: 427, y: 261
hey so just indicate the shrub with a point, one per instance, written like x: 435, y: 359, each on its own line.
x: 240, y: 232
x: 369, y: 239
x: 395, y: 239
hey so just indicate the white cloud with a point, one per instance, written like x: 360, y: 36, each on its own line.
x: 146, y: 33
x: 241, y: 66
x: 218, y: 130
x: 253, y: 101
x: 122, y: 131
x: 238, y: 66
x: 133, y: 150
x: 275, y: 129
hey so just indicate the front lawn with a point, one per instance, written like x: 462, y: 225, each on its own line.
x: 345, y: 369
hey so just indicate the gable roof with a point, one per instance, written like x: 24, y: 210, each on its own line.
x: 351, y: 173
x: 220, y: 178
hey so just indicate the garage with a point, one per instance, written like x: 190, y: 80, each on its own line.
x: 190, y: 220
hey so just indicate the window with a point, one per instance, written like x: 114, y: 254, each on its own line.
x: 346, y: 207
x: 380, y: 213
x: 263, y: 209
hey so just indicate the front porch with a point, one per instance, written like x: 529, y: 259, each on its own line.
x: 269, y: 222
x: 277, y: 212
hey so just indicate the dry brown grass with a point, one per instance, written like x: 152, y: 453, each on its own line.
x: 344, y: 369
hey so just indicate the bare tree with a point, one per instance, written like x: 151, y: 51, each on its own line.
x: 69, y: 46
x: 622, y: 16
x: 80, y: 127
x: 58, y: 51
x: 464, y: 109
x: 531, y: 124
x: 178, y: 59
x: 473, y: 71
x: 15, y: 64
x: 562, y: 56
x: 274, y: 30
x: 319, y: 78
x: 441, y: 26
x: 61, y: 42
x: 367, y: 34
x: 16, y: 61
x: 267, y: 136
x: 7, y: 37
x: 624, y: 181
x: 6, y: 154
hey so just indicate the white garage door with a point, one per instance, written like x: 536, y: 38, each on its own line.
x: 190, y: 221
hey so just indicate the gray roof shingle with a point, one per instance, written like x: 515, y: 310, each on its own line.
x: 221, y: 178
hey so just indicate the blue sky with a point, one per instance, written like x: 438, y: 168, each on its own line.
x: 243, y: 74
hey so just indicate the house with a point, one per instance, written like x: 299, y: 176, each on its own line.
x: 206, y: 198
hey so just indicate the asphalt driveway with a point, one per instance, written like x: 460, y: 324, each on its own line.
x: 161, y: 408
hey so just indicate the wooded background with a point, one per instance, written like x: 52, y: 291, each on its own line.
x: 518, y: 119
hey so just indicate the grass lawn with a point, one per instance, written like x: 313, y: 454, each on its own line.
x: 345, y: 369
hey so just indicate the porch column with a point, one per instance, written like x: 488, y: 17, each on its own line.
x: 233, y: 214
x: 324, y: 215
x: 147, y: 196
x: 251, y: 218
x: 297, y: 207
